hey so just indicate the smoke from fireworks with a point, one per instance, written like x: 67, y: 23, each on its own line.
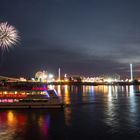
x: 8, y: 36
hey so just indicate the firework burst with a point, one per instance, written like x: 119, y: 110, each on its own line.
x: 8, y: 36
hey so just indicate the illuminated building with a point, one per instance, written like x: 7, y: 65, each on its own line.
x: 41, y: 76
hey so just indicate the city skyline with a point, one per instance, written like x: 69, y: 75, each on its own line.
x: 85, y: 37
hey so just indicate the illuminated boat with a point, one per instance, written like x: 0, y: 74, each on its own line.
x: 47, y: 99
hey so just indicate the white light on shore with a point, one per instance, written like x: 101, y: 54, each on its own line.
x: 51, y: 76
x: 131, y: 72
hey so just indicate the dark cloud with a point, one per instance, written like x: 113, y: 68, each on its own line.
x: 80, y: 36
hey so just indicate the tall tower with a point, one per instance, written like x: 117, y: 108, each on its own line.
x: 131, y: 72
x: 59, y: 76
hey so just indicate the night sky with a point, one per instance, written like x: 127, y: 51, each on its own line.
x: 84, y: 37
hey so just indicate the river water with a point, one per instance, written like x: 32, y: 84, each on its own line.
x: 91, y: 112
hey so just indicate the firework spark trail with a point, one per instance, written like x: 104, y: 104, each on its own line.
x: 8, y: 36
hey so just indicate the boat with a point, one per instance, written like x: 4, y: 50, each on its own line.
x: 46, y: 99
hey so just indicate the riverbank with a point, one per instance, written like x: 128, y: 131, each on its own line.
x: 44, y: 84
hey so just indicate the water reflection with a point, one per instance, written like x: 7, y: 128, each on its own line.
x: 59, y: 90
x: 10, y: 124
x: 132, y: 106
x: 120, y: 99
x: 68, y: 116
x: 10, y: 118
x: 112, y: 118
x: 115, y: 109
x: 67, y: 95
x: 14, y: 124
x: 44, y: 124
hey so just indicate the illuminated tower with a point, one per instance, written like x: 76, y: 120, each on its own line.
x: 59, y: 77
x: 131, y: 72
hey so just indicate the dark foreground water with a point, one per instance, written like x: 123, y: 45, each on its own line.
x: 92, y: 112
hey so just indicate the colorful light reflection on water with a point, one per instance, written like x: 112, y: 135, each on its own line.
x: 106, y: 110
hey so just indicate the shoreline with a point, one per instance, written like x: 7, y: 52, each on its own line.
x: 39, y: 84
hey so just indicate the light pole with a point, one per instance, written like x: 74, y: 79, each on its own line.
x: 131, y: 72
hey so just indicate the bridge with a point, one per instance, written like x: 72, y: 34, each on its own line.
x: 9, y: 79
